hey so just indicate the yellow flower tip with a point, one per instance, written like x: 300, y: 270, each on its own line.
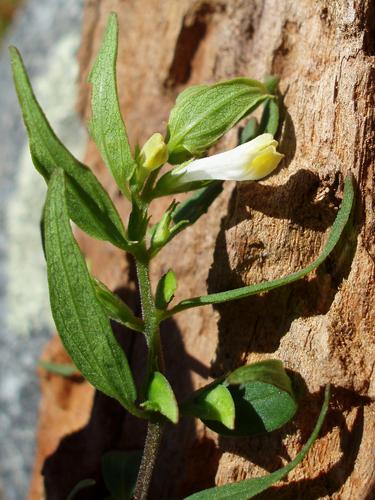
x: 265, y: 162
x: 154, y: 152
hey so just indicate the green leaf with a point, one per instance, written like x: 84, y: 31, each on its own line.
x: 80, y: 320
x: 215, y: 403
x: 165, y: 290
x: 90, y: 207
x: 63, y: 369
x: 249, y: 488
x: 240, y: 293
x: 263, y: 398
x: 194, y: 207
x: 106, y: 125
x: 269, y: 122
x: 120, y: 470
x: 116, y: 308
x: 250, y: 131
x: 204, y: 113
x: 270, y: 371
x: 161, y: 398
x: 85, y: 483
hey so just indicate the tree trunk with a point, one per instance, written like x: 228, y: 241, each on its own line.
x: 322, y: 327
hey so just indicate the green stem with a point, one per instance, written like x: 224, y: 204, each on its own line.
x: 155, y: 363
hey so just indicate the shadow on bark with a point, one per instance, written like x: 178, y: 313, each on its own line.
x: 110, y: 427
x: 257, y: 323
x: 325, y: 483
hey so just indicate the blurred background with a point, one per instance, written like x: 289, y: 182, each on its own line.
x: 47, y: 32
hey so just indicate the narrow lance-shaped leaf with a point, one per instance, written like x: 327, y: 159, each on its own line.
x: 249, y: 488
x: 62, y: 369
x: 240, y: 293
x: 106, y: 125
x: 85, y: 483
x: 89, y: 205
x: 120, y: 470
x: 80, y: 320
x: 116, y: 308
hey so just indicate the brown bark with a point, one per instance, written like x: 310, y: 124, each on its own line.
x: 322, y: 327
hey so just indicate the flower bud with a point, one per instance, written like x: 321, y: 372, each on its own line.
x: 250, y: 161
x: 154, y: 152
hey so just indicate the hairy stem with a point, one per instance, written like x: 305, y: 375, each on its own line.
x: 155, y: 362
x: 153, y: 438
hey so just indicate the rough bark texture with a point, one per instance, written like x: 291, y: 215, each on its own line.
x: 322, y: 327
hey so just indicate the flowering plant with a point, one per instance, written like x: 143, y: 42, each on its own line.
x: 251, y: 399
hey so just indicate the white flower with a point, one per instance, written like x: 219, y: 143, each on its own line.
x: 248, y: 162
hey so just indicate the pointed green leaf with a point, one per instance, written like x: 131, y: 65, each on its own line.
x: 269, y: 122
x: 80, y: 320
x: 165, y: 290
x: 85, y: 483
x: 269, y: 371
x: 204, y: 113
x: 194, y: 207
x: 90, y: 207
x: 240, y: 293
x: 250, y: 131
x: 116, y: 308
x: 120, y: 470
x: 214, y: 404
x: 161, y: 398
x: 63, y: 369
x: 249, y: 488
x: 106, y: 126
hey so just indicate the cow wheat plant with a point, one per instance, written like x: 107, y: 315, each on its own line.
x: 252, y: 399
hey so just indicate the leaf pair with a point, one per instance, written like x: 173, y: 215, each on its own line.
x: 89, y: 205
x: 249, y: 488
x: 253, y: 399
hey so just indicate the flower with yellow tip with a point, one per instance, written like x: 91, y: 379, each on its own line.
x: 248, y: 162
x: 154, y: 153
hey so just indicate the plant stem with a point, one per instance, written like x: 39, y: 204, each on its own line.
x: 153, y: 438
x: 155, y: 363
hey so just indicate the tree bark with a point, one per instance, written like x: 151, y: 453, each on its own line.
x: 322, y: 327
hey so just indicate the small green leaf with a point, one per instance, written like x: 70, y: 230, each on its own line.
x: 246, y: 291
x: 165, y: 290
x: 204, y: 113
x: 249, y: 488
x: 120, y: 470
x: 63, y: 369
x: 269, y: 122
x: 85, y: 483
x: 161, y: 398
x: 216, y: 404
x: 194, y: 207
x: 90, y: 207
x: 116, y: 309
x: 270, y: 371
x: 106, y: 125
x: 250, y: 131
x: 83, y: 326
x: 263, y: 397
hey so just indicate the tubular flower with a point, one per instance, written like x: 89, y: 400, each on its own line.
x: 248, y: 162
